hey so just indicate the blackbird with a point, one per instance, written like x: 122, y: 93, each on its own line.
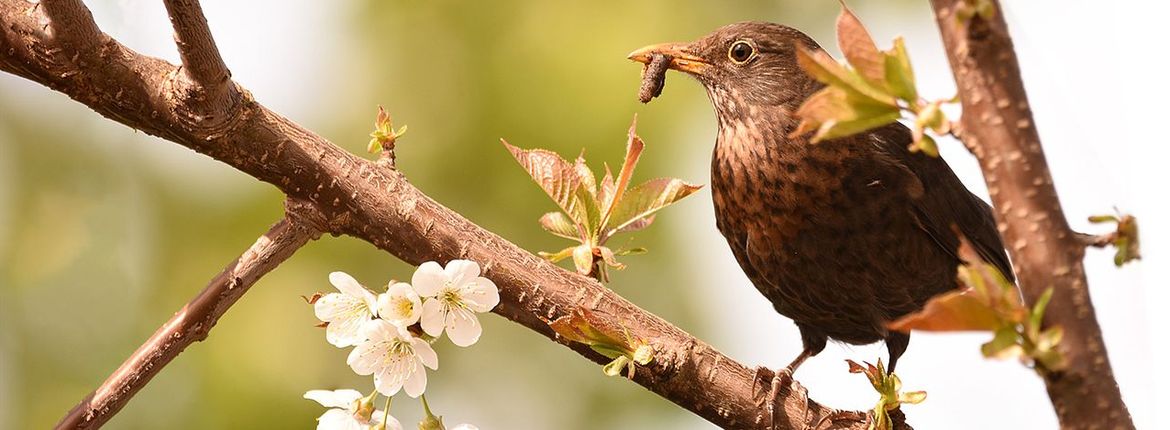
x: 844, y: 235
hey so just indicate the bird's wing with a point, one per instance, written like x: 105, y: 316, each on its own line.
x: 946, y: 202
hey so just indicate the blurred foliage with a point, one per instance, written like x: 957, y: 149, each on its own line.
x: 105, y: 232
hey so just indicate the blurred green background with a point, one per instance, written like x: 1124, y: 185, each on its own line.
x: 105, y: 232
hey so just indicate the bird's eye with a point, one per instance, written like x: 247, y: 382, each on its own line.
x: 741, y: 52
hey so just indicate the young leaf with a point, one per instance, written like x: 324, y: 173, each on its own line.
x: 899, y: 74
x: 634, y: 147
x: 827, y: 70
x: 556, y: 177
x: 835, y: 112
x: 859, y: 49
x: 559, y: 224
x: 556, y: 258
x: 952, y: 311
x: 645, y: 199
x: 583, y: 258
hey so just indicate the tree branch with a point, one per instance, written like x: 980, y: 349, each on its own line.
x: 202, y: 63
x: 375, y: 203
x: 998, y: 127
x: 194, y: 321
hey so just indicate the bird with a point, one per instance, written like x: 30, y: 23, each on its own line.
x: 844, y: 235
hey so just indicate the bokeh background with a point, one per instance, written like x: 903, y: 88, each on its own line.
x: 105, y: 232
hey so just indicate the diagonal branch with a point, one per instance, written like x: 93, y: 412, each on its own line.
x: 998, y: 127
x: 202, y: 63
x: 375, y: 203
x: 194, y: 321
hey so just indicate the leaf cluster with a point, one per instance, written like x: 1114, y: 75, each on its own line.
x: 873, y: 92
x: 988, y: 301
x: 591, y: 211
x: 889, y: 386
x: 626, y: 351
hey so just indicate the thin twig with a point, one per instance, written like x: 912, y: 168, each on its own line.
x: 192, y: 323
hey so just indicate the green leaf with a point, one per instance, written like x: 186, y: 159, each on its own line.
x: 559, y: 224
x: 926, y: 144
x: 614, y: 368
x: 644, y: 200
x: 899, y: 74
x: 1037, y: 314
x: 912, y: 397
x: 859, y: 49
x: 824, y: 68
x: 834, y: 112
x: 556, y: 177
x: 560, y: 255
x: 1005, y: 344
x: 631, y: 251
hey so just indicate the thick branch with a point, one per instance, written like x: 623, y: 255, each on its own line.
x: 375, y: 203
x: 202, y: 63
x: 998, y: 127
x: 194, y: 321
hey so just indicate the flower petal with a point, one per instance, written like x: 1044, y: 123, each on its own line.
x: 400, y: 305
x: 426, y: 355
x: 481, y: 294
x: 417, y: 382
x: 334, y: 398
x: 428, y: 279
x: 345, y: 328
x: 462, y: 327
x: 366, y: 358
x: 393, y: 423
x: 337, y: 419
x: 346, y: 284
x: 460, y: 272
x: 465, y: 427
x: 387, y: 382
x: 433, y: 317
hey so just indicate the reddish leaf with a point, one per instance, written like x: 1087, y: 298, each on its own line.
x: 952, y: 311
x: 859, y: 49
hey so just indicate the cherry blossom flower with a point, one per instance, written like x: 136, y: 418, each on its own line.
x: 453, y: 295
x: 465, y: 427
x: 346, y: 411
x: 395, y: 358
x: 346, y: 311
x: 400, y: 305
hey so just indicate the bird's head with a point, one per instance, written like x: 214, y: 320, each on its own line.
x: 749, y: 63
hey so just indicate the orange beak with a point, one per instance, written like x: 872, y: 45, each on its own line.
x: 680, y: 57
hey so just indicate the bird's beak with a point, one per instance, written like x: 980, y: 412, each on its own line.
x: 681, y: 58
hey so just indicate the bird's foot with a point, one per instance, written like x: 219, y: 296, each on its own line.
x: 782, y: 386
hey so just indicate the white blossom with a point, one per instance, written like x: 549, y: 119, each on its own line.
x: 453, y: 295
x: 346, y: 311
x: 344, y: 411
x: 395, y: 358
x: 400, y: 305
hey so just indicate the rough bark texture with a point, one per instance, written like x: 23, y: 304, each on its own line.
x: 194, y: 321
x: 997, y: 126
x: 371, y: 201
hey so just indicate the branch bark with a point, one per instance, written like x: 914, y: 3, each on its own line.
x: 375, y: 203
x: 208, y: 77
x: 998, y: 127
x: 194, y: 321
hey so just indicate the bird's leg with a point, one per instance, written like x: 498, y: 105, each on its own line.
x: 896, y: 343
x: 783, y: 378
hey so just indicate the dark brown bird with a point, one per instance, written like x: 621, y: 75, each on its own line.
x: 842, y: 236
